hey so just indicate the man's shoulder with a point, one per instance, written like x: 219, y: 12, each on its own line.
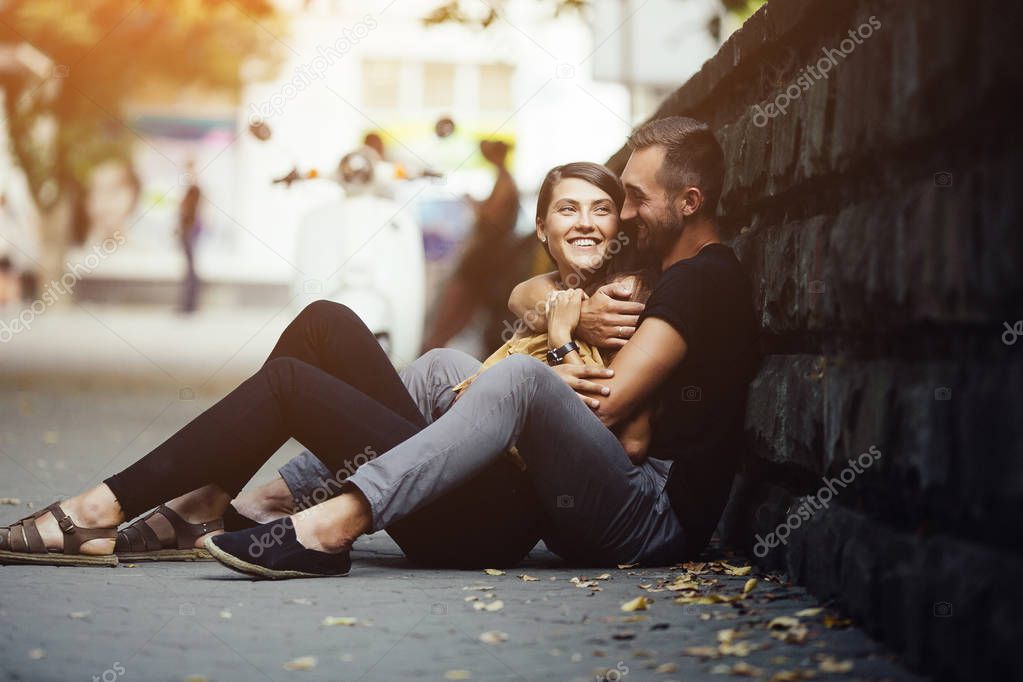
x: 714, y: 263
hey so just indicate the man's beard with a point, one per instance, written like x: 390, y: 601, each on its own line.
x: 662, y: 235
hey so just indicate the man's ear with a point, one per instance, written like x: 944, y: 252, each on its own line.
x: 689, y: 201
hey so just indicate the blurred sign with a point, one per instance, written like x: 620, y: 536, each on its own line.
x: 659, y: 43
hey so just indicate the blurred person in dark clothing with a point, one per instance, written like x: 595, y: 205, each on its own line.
x: 189, y: 227
x: 488, y: 267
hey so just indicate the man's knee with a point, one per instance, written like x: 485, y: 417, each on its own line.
x: 524, y: 366
x: 448, y: 362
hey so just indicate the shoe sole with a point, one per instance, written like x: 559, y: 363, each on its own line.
x: 236, y: 564
x: 8, y: 558
x: 167, y: 555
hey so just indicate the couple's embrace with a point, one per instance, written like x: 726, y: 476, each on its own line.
x: 608, y: 428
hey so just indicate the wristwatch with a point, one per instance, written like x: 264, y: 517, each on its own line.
x: 556, y: 356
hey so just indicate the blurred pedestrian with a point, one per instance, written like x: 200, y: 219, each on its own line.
x: 489, y: 265
x: 189, y: 227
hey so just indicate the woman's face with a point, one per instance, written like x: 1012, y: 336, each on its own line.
x: 580, y: 224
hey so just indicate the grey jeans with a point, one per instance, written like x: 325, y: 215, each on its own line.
x: 603, y: 508
x: 428, y: 380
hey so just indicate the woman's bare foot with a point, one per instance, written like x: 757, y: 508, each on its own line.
x: 95, y: 508
x: 266, y: 503
x: 334, y: 525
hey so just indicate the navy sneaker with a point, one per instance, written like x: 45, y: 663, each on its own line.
x: 272, y: 551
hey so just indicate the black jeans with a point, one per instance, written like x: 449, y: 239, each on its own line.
x: 329, y: 385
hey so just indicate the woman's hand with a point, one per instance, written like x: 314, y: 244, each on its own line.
x: 563, y: 310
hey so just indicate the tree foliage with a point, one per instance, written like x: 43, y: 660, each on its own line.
x: 103, y: 52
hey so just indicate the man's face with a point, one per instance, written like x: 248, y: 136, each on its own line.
x: 646, y: 201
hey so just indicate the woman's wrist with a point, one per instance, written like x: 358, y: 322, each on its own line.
x: 558, y: 338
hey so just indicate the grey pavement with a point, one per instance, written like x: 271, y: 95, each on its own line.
x: 78, y: 401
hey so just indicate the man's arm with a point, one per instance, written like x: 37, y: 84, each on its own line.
x: 638, y: 369
x: 608, y: 318
x: 528, y: 300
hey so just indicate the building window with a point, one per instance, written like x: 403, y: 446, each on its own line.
x: 381, y: 80
x: 438, y: 85
x: 496, y: 87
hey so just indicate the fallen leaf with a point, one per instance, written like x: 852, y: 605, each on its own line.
x: 458, y: 675
x: 623, y: 635
x: 809, y: 613
x: 834, y: 622
x: 301, y: 663
x: 701, y: 651
x: 792, y: 675
x: 625, y: 566
x: 301, y: 600
x: 728, y: 636
x: 225, y: 614
x: 830, y: 665
x: 666, y: 668
x: 637, y: 604
x: 744, y: 669
x: 603, y: 576
x: 737, y: 648
x: 783, y: 623
x: 527, y: 578
x: 10, y: 500
x: 493, y: 571
x: 479, y: 588
x: 494, y: 637
x: 736, y: 570
x: 78, y: 615
x: 472, y: 597
x: 340, y: 620
x: 749, y: 586
x: 495, y: 605
x: 36, y: 654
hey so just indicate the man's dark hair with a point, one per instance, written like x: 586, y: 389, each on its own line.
x: 693, y: 157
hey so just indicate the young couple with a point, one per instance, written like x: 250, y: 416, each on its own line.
x: 629, y: 463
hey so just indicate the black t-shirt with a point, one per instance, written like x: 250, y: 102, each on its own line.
x: 700, y: 408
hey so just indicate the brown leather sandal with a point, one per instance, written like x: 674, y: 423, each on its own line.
x: 139, y: 542
x: 21, y: 543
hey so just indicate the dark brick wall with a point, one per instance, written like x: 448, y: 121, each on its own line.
x: 879, y: 218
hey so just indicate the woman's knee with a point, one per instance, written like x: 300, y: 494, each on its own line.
x: 325, y: 310
x: 283, y: 372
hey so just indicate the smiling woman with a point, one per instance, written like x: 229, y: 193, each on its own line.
x: 577, y: 221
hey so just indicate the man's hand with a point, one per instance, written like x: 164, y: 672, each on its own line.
x: 608, y: 318
x: 578, y: 379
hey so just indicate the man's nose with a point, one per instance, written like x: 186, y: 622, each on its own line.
x: 628, y: 211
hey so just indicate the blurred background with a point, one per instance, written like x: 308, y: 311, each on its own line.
x: 171, y: 186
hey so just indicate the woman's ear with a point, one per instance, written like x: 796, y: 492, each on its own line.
x: 541, y: 232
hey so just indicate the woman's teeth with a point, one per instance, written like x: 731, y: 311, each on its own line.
x: 583, y: 242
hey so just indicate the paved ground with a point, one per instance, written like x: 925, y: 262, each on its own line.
x: 77, y: 404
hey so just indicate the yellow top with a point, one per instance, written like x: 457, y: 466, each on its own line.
x: 535, y: 345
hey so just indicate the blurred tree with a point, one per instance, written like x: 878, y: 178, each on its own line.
x: 453, y: 11
x: 103, y: 51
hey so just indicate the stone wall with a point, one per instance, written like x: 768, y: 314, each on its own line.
x: 878, y: 213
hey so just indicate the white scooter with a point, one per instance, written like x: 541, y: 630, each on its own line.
x: 363, y: 251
